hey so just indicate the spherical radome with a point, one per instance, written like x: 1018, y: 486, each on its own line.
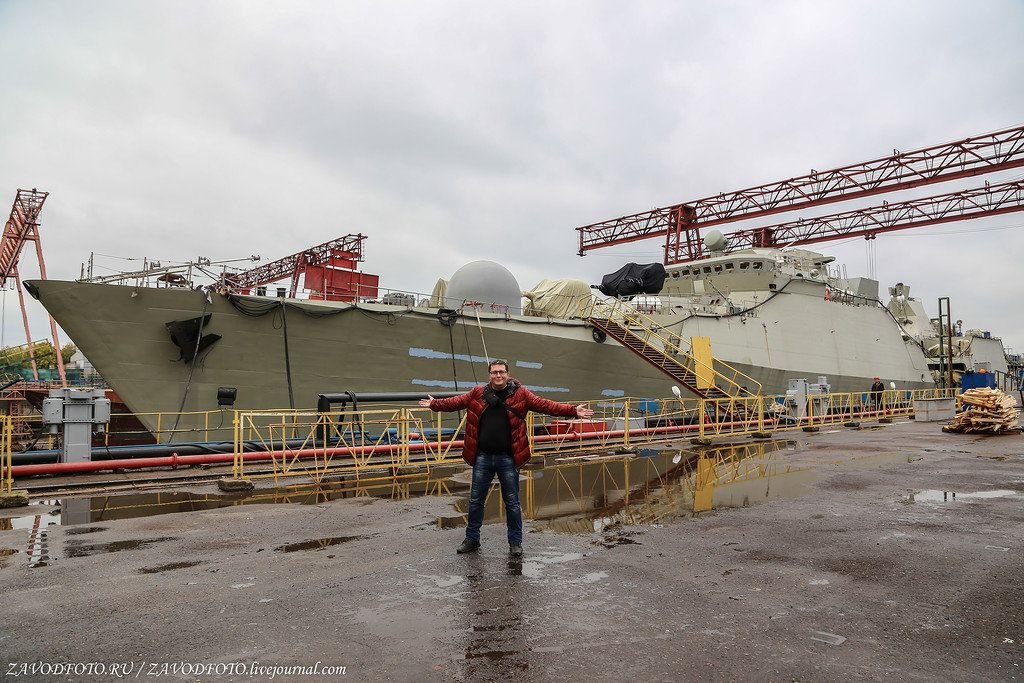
x: 484, y: 281
x: 716, y: 241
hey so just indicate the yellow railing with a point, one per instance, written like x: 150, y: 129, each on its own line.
x: 316, y: 444
x: 307, y: 443
x: 626, y: 315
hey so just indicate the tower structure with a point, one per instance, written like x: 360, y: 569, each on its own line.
x: 22, y: 227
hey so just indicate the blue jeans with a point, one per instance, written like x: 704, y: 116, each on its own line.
x: 484, y: 469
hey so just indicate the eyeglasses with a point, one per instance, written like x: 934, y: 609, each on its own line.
x: 498, y: 372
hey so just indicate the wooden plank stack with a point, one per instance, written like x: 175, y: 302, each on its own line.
x: 988, y: 411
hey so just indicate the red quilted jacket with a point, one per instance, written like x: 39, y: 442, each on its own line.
x: 518, y: 403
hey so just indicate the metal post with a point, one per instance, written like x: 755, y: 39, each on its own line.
x: 625, y: 416
x: 945, y: 342
x: 53, y: 324
x: 236, y: 467
x: 24, y: 319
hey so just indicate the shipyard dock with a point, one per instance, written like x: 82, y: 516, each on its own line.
x: 889, y: 551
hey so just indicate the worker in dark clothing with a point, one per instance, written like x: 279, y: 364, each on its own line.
x: 875, y: 395
x: 496, y: 443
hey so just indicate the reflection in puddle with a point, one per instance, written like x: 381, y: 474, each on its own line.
x: 315, y: 544
x: 581, y: 496
x: 536, y: 567
x: 936, y: 496
x: 584, y: 497
x: 80, y: 530
x: 87, y: 510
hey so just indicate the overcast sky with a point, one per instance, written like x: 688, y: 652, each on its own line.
x: 454, y: 131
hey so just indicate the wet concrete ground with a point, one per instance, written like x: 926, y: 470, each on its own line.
x: 841, y: 556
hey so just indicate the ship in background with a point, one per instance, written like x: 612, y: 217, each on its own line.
x: 771, y: 315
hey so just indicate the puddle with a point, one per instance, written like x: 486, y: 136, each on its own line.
x: 81, y: 549
x: 588, y: 497
x: 452, y: 521
x: 81, y: 530
x: 89, y: 510
x: 537, y: 566
x: 315, y: 544
x: 576, y: 496
x: 167, y: 567
x: 936, y: 496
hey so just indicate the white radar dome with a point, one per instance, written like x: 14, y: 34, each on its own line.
x: 715, y: 241
x: 487, y: 282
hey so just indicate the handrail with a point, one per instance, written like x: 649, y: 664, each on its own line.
x: 610, y: 308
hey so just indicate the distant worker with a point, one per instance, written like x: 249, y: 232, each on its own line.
x: 875, y: 396
x: 496, y: 443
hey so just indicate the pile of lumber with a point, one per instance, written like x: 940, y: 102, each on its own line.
x: 987, y: 411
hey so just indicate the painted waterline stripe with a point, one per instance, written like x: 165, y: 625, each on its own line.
x: 542, y: 390
x: 529, y: 364
x: 614, y: 393
x: 444, y: 355
x: 444, y: 384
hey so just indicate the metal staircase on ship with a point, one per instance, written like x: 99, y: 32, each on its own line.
x: 711, y: 380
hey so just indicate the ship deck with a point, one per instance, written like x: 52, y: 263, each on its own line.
x: 851, y: 557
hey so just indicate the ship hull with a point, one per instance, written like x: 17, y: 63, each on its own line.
x: 337, y: 347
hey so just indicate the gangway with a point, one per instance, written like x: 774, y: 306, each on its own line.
x: 643, y: 336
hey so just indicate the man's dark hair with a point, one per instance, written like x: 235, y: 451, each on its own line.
x: 497, y: 362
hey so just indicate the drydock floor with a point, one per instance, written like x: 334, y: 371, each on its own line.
x: 853, y: 560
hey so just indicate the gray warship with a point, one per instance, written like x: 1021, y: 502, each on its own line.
x: 771, y: 315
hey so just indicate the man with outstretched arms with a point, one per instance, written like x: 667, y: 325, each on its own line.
x: 496, y: 443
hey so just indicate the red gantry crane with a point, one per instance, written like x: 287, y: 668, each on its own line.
x: 681, y: 224
x: 23, y: 226
x: 329, y: 270
x: 990, y: 200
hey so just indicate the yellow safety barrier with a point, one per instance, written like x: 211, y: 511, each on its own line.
x: 316, y: 444
x: 379, y: 439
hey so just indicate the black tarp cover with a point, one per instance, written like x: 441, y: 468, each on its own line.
x: 634, y: 278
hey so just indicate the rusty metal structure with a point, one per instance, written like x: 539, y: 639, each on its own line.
x: 680, y: 224
x: 22, y: 227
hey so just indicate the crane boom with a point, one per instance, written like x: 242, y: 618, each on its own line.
x: 348, y: 247
x: 989, y: 200
x: 680, y: 223
x: 22, y: 226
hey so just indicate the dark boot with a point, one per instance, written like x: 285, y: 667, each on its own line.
x: 468, y: 546
x: 515, y: 550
